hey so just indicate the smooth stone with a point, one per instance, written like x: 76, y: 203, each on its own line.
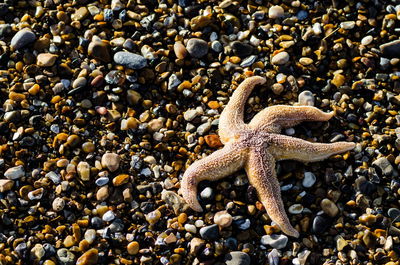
x: 275, y: 241
x: 320, y: 224
x: 308, y: 180
x: 223, y: 219
x: 197, y: 48
x: 79, y: 82
x: 102, y: 193
x: 207, y: 193
x: 130, y: 60
x: 190, y: 114
x: 38, y: 252
x: 90, y: 235
x: 14, y: 172
x: 80, y: 14
x: 6, y: 185
x: 210, y: 232
x: 175, y: 201
x: 83, y: 169
x: 347, y: 24
x: 46, y: 59
x: 196, y: 244
x: 204, y: 128
x: 180, y: 50
x: 102, y: 181
x: 329, y: 207
x: 237, y: 258
x: 275, y: 12
x: 99, y: 50
x: 367, y: 40
x: 36, y: 194
x: 306, y: 98
x: 133, y: 97
x: 241, y: 49
x: 121, y: 179
x: 22, y: 38
x: 90, y: 257
x: 384, y: 166
x: 133, y: 248
x: 391, y: 49
x: 280, y: 58
x: 108, y: 216
x: 111, y: 161
x: 394, y: 213
x: 296, y: 209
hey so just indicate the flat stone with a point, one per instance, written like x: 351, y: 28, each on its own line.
x: 384, y: 166
x: 111, y: 161
x: 46, y: 59
x: 391, y: 49
x: 99, y: 50
x: 275, y: 241
x: 210, y: 232
x: 15, y: 172
x: 329, y: 207
x: 280, y: 58
x: 197, y: 48
x: 237, y: 258
x: 6, y: 185
x: 130, y: 60
x: 80, y: 14
x: 22, y: 38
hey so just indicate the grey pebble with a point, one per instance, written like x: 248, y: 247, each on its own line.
x: 22, y: 38
x: 130, y: 60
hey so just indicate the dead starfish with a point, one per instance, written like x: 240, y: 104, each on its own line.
x: 256, y: 146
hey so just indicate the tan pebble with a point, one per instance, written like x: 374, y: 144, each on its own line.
x: 88, y: 147
x: 111, y: 161
x: 338, y: 80
x: 367, y: 219
x: 180, y: 50
x: 329, y: 207
x: 121, y: 179
x: 83, y: 245
x: 83, y: 169
x: 130, y: 123
x: 16, y: 96
x: 133, y: 97
x: 133, y: 248
x: 280, y: 58
x: 223, y: 219
x: 99, y: 50
x: 69, y: 241
x: 46, y: 59
x: 80, y: 14
x: 90, y: 257
x: 275, y: 12
x: 6, y: 185
x: 196, y: 244
x: 306, y: 61
x: 102, y: 194
x: 34, y: 89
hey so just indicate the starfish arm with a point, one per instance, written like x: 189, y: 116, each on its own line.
x: 284, y: 147
x: 278, y: 117
x: 231, y: 119
x: 219, y: 164
x: 260, y: 168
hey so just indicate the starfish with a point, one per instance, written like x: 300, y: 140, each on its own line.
x: 255, y: 147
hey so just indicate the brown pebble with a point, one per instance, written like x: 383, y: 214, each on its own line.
x: 180, y: 50
x: 90, y: 257
x: 121, y: 179
x: 133, y: 248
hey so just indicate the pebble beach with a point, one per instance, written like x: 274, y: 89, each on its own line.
x: 105, y: 104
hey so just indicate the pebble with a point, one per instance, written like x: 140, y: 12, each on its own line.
x: 65, y: 257
x: 90, y: 257
x: 210, y: 232
x: 22, y: 38
x: 280, y: 58
x: 384, y: 166
x: 391, y: 49
x: 99, y: 50
x: 196, y: 244
x: 108, y: 216
x: 121, y: 179
x: 133, y: 248
x: 223, y: 219
x: 207, y: 193
x: 46, y: 59
x: 180, y: 50
x: 241, y: 49
x: 237, y: 258
x: 329, y: 207
x: 15, y: 172
x: 6, y: 185
x: 306, y: 98
x: 367, y: 40
x: 58, y: 204
x: 308, y: 180
x: 296, y: 209
x: 79, y: 82
x: 130, y: 60
x: 83, y: 169
x: 276, y: 12
x: 111, y: 161
x: 197, y: 48
x: 90, y: 235
x: 275, y: 241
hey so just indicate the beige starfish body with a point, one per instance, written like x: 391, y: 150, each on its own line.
x: 256, y: 146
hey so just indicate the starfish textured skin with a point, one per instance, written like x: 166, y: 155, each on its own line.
x: 255, y: 147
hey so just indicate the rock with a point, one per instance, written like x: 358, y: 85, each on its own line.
x: 65, y: 257
x: 223, y: 219
x: 153, y: 217
x: 79, y: 82
x: 309, y: 179
x: 384, y: 166
x: 36, y: 194
x: 46, y: 59
x: 190, y: 114
x: 80, y: 14
x: 83, y: 169
x: 180, y: 50
x: 6, y: 185
x: 103, y: 193
x: 22, y: 38
x: 175, y: 201
x: 329, y: 207
x: 90, y: 257
x: 241, y: 49
x: 306, y: 98
x: 99, y: 50
x: 213, y: 141
x: 130, y: 60
x: 204, y: 128
x: 111, y: 161
x: 15, y: 172
x: 275, y: 241
x: 58, y: 204
x: 341, y: 243
x: 210, y: 232
x: 367, y: 40
x: 320, y: 224
x: 133, y: 97
x: 108, y: 216
x: 275, y: 12
x: 347, y: 24
x: 207, y: 193
x: 391, y: 49
x: 296, y: 209
x: 196, y: 244
x: 133, y: 248
x: 338, y: 80
x: 280, y: 58
x: 369, y: 239
x: 237, y: 258
x: 90, y: 235
x: 121, y: 179
x: 37, y: 252
x: 197, y: 48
